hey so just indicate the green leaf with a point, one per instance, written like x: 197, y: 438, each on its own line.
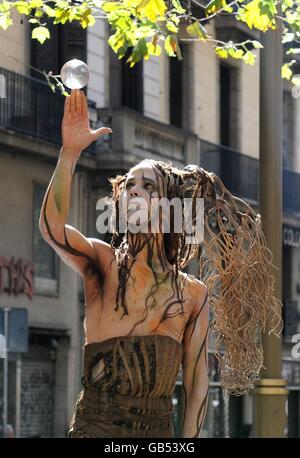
x: 140, y: 51
x: 36, y: 3
x: 293, y: 51
x: 88, y: 19
x: 268, y: 7
x: 61, y: 16
x: 40, y: 34
x: 214, y: 6
x: 62, y: 4
x: 249, y: 58
x: 49, y: 11
x: 257, y: 44
x: 142, y: 5
x: 227, y: 8
x: 288, y: 3
x: 174, y: 18
x: 154, y: 50
x: 117, y: 41
x: 169, y: 48
x: 221, y: 52
x: 5, y: 7
x: 172, y: 47
x: 288, y: 37
x: 39, y: 13
x: 177, y: 47
x: 22, y: 7
x: 5, y: 20
x: 109, y: 6
x: 296, y: 80
x: 258, y: 14
x: 73, y: 13
x: 286, y: 72
x: 178, y: 7
x: 152, y: 9
x: 235, y: 53
x: 197, y: 30
x: 172, y: 27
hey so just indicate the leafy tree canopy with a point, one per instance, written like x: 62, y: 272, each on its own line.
x: 148, y: 27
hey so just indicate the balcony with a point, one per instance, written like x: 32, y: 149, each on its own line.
x: 240, y: 174
x: 291, y: 192
x: 137, y: 137
x: 32, y: 109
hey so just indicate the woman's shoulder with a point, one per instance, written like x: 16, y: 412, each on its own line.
x: 195, y: 283
x: 196, y: 290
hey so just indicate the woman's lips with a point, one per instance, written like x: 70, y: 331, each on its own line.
x: 131, y: 208
x: 137, y: 206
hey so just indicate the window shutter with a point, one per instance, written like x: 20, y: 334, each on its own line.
x: 67, y: 41
x: 132, y: 84
x: 45, y: 56
x: 73, y: 42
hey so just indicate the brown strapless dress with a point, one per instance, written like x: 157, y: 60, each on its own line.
x: 132, y: 395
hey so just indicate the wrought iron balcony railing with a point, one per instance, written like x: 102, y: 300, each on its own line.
x: 31, y: 108
x: 240, y: 174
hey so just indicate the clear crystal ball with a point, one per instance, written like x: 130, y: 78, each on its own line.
x: 75, y: 74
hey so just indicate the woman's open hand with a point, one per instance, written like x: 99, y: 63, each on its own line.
x: 76, y: 132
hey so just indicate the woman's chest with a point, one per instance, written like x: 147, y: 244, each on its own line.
x: 140, y: 310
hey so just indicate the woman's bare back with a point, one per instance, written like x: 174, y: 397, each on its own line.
x: 162, y: 312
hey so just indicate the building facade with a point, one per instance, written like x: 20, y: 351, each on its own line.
x: 201, y: 110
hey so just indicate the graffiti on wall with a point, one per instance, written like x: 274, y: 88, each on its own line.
x: 16, y: 276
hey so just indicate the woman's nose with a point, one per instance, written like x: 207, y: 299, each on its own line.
x: 133, y: 192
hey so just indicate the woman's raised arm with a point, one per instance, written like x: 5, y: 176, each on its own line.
x: 82, y: 254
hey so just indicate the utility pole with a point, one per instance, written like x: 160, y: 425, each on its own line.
x: 270, y: 394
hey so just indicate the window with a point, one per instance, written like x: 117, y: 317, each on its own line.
x: 67, y: 41
x: 229, y: 106
x: 132, y: 84
x: 45, y: 259
x: 176, y: 89
x: 225, y: 105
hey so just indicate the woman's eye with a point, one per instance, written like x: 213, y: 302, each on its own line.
x: 148, y: 186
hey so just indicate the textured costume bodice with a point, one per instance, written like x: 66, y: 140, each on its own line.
x: 128, y: 382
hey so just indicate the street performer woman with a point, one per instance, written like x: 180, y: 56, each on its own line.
x: 145, y: 318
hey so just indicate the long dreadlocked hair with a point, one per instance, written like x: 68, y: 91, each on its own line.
x: 234, y: 263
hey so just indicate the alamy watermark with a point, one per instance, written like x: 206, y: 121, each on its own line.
x: 155, y: 215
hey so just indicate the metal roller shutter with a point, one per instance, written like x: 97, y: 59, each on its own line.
x: 37, y: 398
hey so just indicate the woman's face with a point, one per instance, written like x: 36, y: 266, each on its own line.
x: 139, y: 189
